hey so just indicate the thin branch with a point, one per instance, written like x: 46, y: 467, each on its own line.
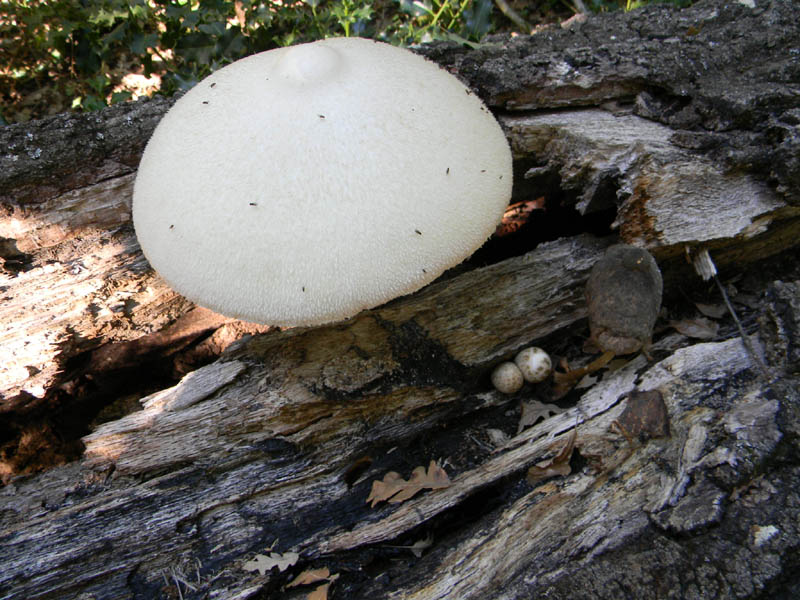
x: 513, y: 15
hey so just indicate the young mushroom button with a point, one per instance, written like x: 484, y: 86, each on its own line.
x: 350, y: 169
x: 534, y: 363
x: 507, y: 378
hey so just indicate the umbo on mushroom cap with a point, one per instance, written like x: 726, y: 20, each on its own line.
x: 301, y: 185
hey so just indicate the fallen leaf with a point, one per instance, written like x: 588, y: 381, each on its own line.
x: 533, y: 410
x: 715, y: 311
x: 321, y: 593
x: 263, y: 564
x: 564, y: 381
x: 587, y: 382
x: 517, y: 215
x: 699, y: 328
x: 645, y: 415
x: 310, y: 576
x: 558, y: 465
x: 497, y: 437
x: 417, y: 547
x: 395, y: 489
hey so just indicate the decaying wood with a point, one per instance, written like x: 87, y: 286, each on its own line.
x: 679, y: 123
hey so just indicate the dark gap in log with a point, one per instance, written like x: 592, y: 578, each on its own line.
x: 558, y: 219
x: 660, y: 105
x: 96, y: 386
x: 422, y: 360
x: 12, y: 260
x: 388, y: 560
x: 40, y: 439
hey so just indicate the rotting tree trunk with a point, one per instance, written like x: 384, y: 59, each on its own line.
x: 680, y: 127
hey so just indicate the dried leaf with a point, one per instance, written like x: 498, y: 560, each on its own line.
x: 699, y: 328
x: 310, y: 576
x: 417, y: 547
x: 517, y: 215
x: 533, y: 410
x: 558, y: 465
x: 587, y: 382
x: 645, y: 415
x: 497, y: 437
x: 263, y: 564
x: 321, y: 593
x: 395, y: 489
x: 563, y: 382
x: 715, y: 311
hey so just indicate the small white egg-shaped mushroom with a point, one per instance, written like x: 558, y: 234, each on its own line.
x: 534, y: 363
x: 507, y: 378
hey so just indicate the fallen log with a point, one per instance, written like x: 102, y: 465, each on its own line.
x: 624, y: 125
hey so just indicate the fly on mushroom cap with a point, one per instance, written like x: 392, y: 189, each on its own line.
x: 301, y: 185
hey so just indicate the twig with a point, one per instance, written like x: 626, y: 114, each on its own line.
x: 706, y: 268
x: 513, y: 15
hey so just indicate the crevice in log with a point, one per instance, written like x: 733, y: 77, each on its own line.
x: 12, y: 260
x: 558, y: 217
x: 105, y: 384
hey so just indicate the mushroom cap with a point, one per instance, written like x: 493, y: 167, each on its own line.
x: 507, y: 378
x: 534, y: 363
x: 301, y: 185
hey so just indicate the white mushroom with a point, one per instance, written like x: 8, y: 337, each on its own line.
x: 507, y: 378
x: 534, y: 363
x: 301, y: 185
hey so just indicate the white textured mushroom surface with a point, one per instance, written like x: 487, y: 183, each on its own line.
x: 301, y: 185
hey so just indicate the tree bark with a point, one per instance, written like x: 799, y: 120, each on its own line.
x: 674, y: 130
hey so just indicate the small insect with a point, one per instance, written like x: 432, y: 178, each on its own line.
x: 418, y: 232
x: 321, y: 116
x: 424, y: 271
x: 483, y: 170
x: 447, y: 172
x: 304, y: 288
x: 205, y: 101
x: 172, y: 226
x: 213, y: 84
x: 253, y: 204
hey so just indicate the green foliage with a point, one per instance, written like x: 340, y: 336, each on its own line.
x: 62, y: 54
x: 604, y: 5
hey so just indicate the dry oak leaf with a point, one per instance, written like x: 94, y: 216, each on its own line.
x: 558, y: 465
x: 715, y: 311
x: 395, y: 489
x: 263, y: 564
x: 321, y: 593
x: 312, y: 576
x: 699, y: 328
x: 315, y: 576
x: 533, y: 410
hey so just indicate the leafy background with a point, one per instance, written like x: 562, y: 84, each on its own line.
x: 58, y: 55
